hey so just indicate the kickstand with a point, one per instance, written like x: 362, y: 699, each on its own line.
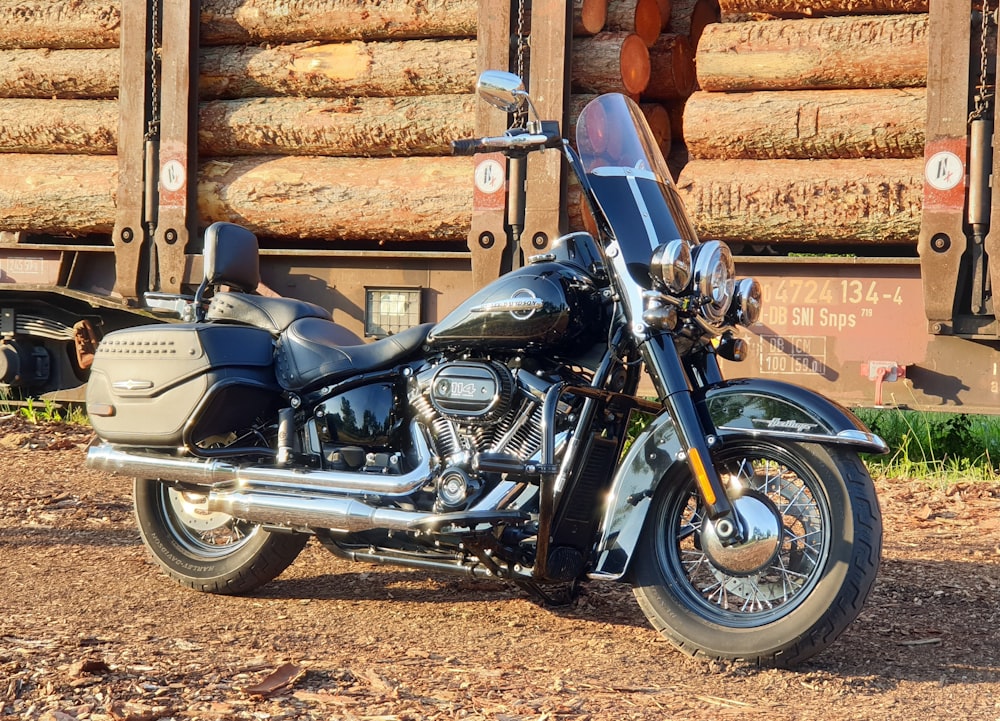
x: 561, y: 595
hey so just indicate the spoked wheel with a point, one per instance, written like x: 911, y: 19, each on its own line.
x: 208, y: 550
x: 803, y: 574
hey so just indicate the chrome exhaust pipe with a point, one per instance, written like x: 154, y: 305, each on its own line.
x: 338, y: 513
x: 301, y: 511
x: 217, y: 474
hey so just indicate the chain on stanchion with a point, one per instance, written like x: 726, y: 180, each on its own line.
x: 522, y: 46
x: 981, y: 167
x: 151, y: 139
x: 985, y: 95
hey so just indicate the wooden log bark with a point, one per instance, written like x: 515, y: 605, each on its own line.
x: 234, y: 22
x: 610, y: 63
x: 59, y: 24
x: 849, y: 52
x: 641, y: 17
x: 819, y: 8
x: 59, y: 73
x: 877, y: 123
x: 341, y: 198
x: 798, y: 201
x: 340, y: 127
x: 691, y: 17
x: 257, y: 126
x: 59, y: 126
x: 57, y: 194
x: 384, y: 69
x: 289, y: 197
x: 672, y: 71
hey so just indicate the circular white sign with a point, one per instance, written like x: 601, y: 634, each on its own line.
x: 489, y: 176
x: 172, y: 175
x: 944, y: 170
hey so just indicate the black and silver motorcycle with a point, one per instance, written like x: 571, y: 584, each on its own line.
x: 500, y: 441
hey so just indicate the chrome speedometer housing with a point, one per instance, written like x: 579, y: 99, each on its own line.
x: 714, y: 279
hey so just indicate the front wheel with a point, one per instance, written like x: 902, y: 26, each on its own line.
x: 789, y: 591
x: 207, y: 550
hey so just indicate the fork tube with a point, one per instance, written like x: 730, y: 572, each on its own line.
x: 669, y: 378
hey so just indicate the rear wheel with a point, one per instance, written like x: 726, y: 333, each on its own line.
x: 787, y: 593
x: 207, y: 550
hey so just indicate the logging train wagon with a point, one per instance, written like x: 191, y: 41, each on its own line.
x: 842, y: 147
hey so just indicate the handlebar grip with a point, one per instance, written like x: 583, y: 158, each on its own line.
x: 466, y: 146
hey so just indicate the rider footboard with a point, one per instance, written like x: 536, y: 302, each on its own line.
x: 148, y: 383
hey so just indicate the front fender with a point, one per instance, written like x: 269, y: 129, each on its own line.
x: 751, y: 407
x: 756, y: 407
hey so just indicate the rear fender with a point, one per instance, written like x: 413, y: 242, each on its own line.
x: 744, y: 408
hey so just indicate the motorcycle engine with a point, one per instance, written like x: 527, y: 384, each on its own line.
x: 473, y: 407
x: 478, y: 393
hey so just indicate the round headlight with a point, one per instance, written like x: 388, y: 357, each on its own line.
x: 713, y: 278
x: 747, y: 301
x: 671, y: 265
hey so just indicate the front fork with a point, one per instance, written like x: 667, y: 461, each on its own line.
x: 671, y: 381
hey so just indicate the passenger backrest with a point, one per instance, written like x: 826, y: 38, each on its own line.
x: 231, y: 258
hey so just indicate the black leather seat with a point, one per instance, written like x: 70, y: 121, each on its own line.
x: 273, y: 314
x: 312, y: 351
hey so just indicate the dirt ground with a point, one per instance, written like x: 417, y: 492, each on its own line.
x: 90, y: 629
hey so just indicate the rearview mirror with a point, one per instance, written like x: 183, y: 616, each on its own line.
x: 502, y: 90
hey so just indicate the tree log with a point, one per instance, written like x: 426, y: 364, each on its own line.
x: 666, y: 8
x: 59, y: 73
x: 289, y: 197
x: 878, y: 123
x: 236, y: 22
x: 672, y: 72
x: 589, y: 16
x: 610, y: 63
x: 349, y: 127
x: 258, y: 126
x: 641, y: 17
x: 818, y: 8
x: 386, y: 69
x: 59, y: 24
x: 57, y: 194
x: 659, y: 124
x: 341, y: 198
x: 816, y: 201
x: 690, y: 17
x: 59, y: 126
x: 851, y: 52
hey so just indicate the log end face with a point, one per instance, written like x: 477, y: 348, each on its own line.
x: 635, y: 64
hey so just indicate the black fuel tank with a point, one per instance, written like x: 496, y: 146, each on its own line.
x: 545, y: 305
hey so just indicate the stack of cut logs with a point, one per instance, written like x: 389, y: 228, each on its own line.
x: 809, y: 127
x: 331, y: 122
x: 646, y: 50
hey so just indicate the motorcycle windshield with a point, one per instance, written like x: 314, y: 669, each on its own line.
x: 630, y: 180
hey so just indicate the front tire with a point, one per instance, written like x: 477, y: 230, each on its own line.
x: 209, y: 551
x: 827, y: 545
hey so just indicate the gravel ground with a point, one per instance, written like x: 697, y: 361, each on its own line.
x: 90, y: 629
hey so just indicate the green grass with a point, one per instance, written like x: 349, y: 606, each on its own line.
x: 44, y: 411
x: 941, y: 448
x: 938, y: 448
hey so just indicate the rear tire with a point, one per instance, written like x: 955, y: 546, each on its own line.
x: 209, y: 551
x: 794, y: 605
